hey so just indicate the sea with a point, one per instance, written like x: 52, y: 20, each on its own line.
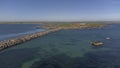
x: 62, y: 49
x: 8, y: 31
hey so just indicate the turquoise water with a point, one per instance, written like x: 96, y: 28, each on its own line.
x: 67, y: 49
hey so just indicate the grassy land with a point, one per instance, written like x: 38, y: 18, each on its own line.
x: 73, y: 25
x: 63, y: 25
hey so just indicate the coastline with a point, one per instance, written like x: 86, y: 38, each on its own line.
x: 15, y: 41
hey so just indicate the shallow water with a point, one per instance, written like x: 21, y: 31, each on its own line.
x: 66, y: 49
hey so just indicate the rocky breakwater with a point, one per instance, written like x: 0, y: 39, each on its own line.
x: 15, y: 41
x: 51, y: 28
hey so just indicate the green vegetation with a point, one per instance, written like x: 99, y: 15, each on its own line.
x: 62, y: 25
x: 73, y: 25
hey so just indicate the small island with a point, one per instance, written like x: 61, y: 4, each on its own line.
x: 97, y: 43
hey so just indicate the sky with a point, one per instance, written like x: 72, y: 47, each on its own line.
x: 59, y: 10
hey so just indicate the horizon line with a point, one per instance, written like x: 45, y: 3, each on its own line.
x: 68, y: 21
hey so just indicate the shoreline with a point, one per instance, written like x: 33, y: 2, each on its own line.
x: 16, y: 41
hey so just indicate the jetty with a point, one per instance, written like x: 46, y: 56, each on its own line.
x: 51, y: 28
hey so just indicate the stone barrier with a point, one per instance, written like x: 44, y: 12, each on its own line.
x: 15, y: 41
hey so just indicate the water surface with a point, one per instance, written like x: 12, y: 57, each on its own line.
x: 66, y: 49
x: 14, y: 30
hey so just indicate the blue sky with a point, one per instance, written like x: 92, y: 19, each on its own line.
x: 59, y: 10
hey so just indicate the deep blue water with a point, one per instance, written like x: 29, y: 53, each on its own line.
x: 67, y: 49
x: 14, y: 30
